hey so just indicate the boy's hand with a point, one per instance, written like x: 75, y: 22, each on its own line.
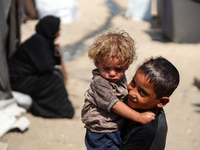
x: 147, y: 117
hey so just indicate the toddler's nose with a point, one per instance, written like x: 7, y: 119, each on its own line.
x: 112, y: 73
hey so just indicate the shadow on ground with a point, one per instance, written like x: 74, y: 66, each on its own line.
x: 73, y: 50
x: 155, y: 31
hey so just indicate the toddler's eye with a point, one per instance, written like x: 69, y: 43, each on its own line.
x: 106, y: 68
x: 119, y: 69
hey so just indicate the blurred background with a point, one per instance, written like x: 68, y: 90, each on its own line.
x: 168, y: 28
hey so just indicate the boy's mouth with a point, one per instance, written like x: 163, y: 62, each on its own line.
x: 132, y: 99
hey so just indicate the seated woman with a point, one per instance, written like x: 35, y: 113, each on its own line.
x: 32, y: 71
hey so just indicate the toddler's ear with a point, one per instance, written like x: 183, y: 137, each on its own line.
x: 127, y: 67
x: 96, y: 64
x: 163, y: 101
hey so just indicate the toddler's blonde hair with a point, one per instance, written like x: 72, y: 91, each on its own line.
x: 113, y: 44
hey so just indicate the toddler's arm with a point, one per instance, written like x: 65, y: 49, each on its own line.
x: 123, y: 110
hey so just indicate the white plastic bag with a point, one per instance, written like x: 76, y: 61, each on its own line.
x: 9, y: 111
x: 65, y: 9
x: 139, y: 10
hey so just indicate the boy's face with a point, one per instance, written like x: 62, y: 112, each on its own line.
x: 141, y: 93
x: 112, y: 69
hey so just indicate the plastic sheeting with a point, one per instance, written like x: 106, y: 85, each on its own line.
x: 139, y: 10
x: 9, y: 117
x: 65, y: 9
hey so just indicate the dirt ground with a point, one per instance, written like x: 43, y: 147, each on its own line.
x: 183, y: 111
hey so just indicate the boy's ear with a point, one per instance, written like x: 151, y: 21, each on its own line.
x: 162, y: 102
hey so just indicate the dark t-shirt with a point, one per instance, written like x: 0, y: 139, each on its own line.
x: 150, y: 136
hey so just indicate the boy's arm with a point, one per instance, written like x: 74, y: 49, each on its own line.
x: 123, y: 110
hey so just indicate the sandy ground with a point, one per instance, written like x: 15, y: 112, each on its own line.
x: 183, y: 111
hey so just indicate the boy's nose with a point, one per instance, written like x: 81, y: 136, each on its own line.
x: 132, y: 93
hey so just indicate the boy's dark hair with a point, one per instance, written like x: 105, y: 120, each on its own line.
x: 163, y: 74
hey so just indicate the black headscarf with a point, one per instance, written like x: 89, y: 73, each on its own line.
x: 48, y: 26
x: 37, y: 54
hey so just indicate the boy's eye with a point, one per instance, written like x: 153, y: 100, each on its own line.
x: 133, y: 83
x: 142, y: 93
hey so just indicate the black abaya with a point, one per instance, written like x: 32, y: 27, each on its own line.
x: 32, y: 71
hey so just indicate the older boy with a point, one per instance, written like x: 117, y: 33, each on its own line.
x: 150, y: 89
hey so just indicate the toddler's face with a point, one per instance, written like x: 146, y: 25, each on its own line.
x: 112, y: 69
x: 141, y: 93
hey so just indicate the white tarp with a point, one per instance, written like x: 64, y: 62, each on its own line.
x: 139, y: 10
x: 65, y: 9
x: 9, y: 117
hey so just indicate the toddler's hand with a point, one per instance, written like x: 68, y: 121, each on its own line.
x: 147, y: 117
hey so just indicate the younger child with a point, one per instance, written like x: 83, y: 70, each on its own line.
x: 104, y: 110
x: 150, y: 89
